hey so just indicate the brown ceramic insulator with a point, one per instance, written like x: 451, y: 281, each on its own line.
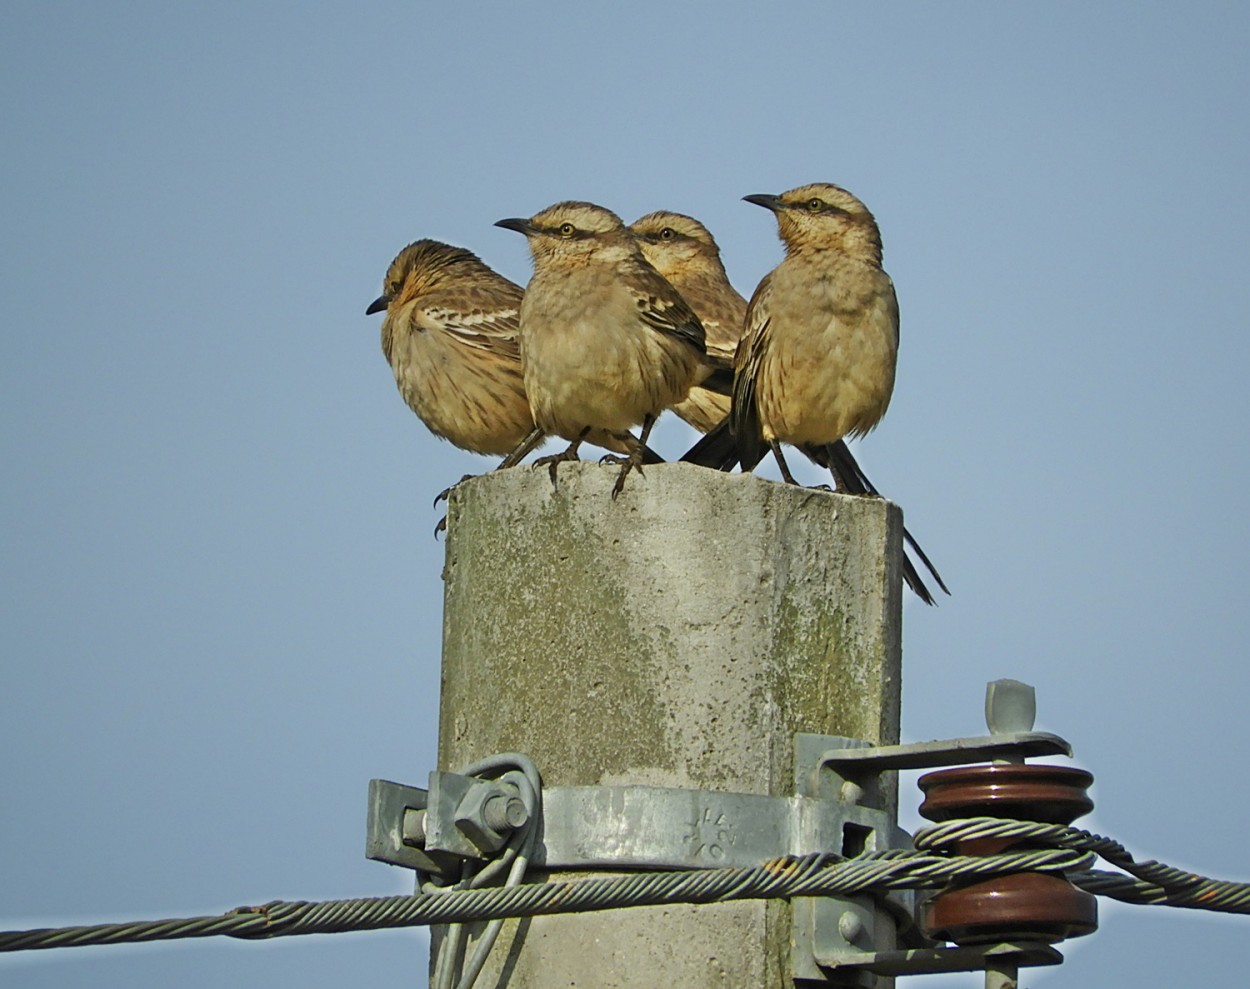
x: 1049, y: 794
x: 1024, y: 906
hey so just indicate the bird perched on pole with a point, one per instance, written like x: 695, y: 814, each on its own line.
x: 451, y: 338
x: 685, y: 253
x: 606, y: 342
x: 682, y: 249
x: 817, y: 359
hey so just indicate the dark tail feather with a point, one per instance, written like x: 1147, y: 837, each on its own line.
x: 838, y: 459
x: 717, y: 449
x: 913, y: 580
x: 924, y: 558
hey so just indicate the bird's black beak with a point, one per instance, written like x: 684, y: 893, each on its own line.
x: 518, y: 223
x: 763, y: 199
x: 378, y: 304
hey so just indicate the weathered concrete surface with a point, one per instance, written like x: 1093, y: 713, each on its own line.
x: 678, y: 636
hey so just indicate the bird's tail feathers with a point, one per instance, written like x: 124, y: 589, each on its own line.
x: 842, y: 463
x: 717, y: 449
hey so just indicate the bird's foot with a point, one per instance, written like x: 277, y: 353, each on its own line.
x: 630, y: 463
x: 446, y: 492
x: 554, y: 460
x: 441, y: 527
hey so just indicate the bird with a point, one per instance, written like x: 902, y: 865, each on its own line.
x: 817, y: 359
x: 450, y: 336
x: 684, y: 251
x: 606, y: 343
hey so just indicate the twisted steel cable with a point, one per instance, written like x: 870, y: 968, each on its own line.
x: 1152, y: 882
x: 810, y: 875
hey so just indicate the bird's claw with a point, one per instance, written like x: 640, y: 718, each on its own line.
x: 627, y: 464
x: 554, y: 461
x: 446, y: 492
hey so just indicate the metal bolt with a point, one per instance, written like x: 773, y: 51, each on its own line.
x: 504, y: 813
x: 1001, y: 975
x: 850, y: 926
x: 413, y: 829
x: 488, y: 812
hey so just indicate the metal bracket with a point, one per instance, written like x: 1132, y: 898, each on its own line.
x: 926, y: 961
x: 395, y: 831
x: 628, y: 827
x: 843, y: 800
x: 434, y: 830
x: 1010, y: 708
x: 945, y: 752
x: 664, y: 828
x: 857, y: 926
x: 853, y: 934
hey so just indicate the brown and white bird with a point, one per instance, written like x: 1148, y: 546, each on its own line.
x: 816, y: 362
x: 682, y: 249
x: 606, y: 343
x: 685, y: 253
x: 451, y: 338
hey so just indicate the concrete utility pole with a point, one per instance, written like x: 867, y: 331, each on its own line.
x: 676, y: 637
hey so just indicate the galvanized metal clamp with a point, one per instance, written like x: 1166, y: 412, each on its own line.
x: 854, y: 939
x: 843, y: 801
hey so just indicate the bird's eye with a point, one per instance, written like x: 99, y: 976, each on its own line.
x: 567, y: 229
x: 667, y: 234
x: 814, y: 205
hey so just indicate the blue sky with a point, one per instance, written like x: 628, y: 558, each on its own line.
x: 222, y: 604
